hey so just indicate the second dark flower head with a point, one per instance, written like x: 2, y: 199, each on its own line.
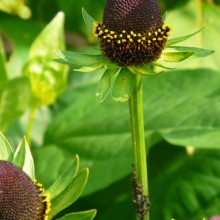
x: 132, y: 32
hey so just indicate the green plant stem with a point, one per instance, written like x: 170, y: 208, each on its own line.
x: 30, y: 124
x: 138, y: 137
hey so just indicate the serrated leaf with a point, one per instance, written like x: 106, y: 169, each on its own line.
x: 123, y: 86
x: 77, y: 58
x: 143, y: 70
x: 105, y: 83
x: 14, y: 99
x: 173, y: 41
x: 197, y: 52
x: 170, y: 56
x: 64, y: 180
x: 88, y: 20
x: 70, y: 194
x: 86, y: 215
x: 23, y: 158
x: 6, y: 152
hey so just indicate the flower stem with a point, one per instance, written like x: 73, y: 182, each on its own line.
x: 30, y: 124
x: 138, y: 138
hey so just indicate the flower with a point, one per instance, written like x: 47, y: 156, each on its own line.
x: 20, y: 197
x: 133, y: 41
x: 132, y: 32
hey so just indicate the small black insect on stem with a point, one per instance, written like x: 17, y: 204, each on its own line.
x: 140, y: 201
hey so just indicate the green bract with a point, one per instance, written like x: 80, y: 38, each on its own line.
x: 62, y: 193
x: 47, y: 78
x: 119, y: 80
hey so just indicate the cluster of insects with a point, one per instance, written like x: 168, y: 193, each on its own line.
x: 140, y: 201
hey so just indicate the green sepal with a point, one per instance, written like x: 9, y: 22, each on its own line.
x: 76, y: 58
x: 64, y: 180
x: 145, y: 70
x: 162, y: 66
x: 197, y: 52
x: 88, y: 20
x: 23, y: 158
x: 70, y: 194
x: 123, y: 86
x: 172, y: 56
x: 6, y: 152
x: 86, y: 215
x: 173, y: 41
x: 90, y: 68
x: 164, y: 16
x: 105, y: 84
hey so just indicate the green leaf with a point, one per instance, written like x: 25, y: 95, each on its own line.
x: 86, y: 215
x: 88, y: 20
x: 48, y: 78
x: 64, y: 180
x: 173, y: 41
x: 195, y: 177
x: 23, y: 159
x: 197, y: 52
x: 6, y: 152
x: 50, y: 39
x: 71, y: 193
x: 3, y: 72
x: 170, y: 56
x: 143, y: 70
x: 105, y: 84
x: 123, y: 86
x: 14, y: 99
x: 77, y: 58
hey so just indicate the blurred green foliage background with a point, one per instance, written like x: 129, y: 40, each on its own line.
x: 182, y: 113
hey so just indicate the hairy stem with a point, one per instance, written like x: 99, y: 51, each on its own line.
x: 138, y: 138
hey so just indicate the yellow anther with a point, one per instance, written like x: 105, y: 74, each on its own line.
x: 149, y: 34
x: 164, y: 36
x: 154, y: 39
x: 109, y: 41
x: 139, y: 35
x: 100, y: 32
x: 123, y: 40
x: 112, y: 32
x: 139, y: 40
x: 149, y: 41
x: 124, y: 31
x: 121, y: 35
x: 106, y: 30
x: 128, y: 36
x: 108, y: 35
x: 143, y: 38
x: 156, y: 33
x: 160, y: 38
x: 104, y: 37
x: 119, y: 42
x: 115, y: 36
x: 159, y: 30
x: 131, y: 40
x: 132, y: 33
x: 164, y: 27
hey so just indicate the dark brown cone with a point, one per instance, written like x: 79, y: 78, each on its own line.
x: 132, y: 32
x: 136, y: 15
x: 19, y: 196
